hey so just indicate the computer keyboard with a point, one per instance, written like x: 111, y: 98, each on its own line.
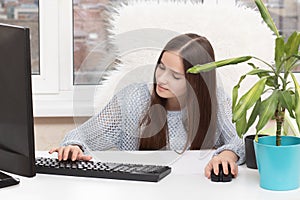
x: 122, y: 171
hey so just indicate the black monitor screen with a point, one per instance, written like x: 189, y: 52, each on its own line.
x: 16, y: 117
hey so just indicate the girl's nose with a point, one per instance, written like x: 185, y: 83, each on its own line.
x: 163, y: 78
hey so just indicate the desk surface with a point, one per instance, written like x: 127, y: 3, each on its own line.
x: 186, y: 181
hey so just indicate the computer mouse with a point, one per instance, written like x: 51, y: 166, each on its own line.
x: 221, y: 177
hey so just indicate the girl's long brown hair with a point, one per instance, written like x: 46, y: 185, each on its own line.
x: 201, y: 98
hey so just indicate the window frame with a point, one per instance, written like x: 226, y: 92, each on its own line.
x: 47, y: 80
x: 53, y: 89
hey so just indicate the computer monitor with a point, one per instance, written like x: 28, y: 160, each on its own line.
x: 16, y: 117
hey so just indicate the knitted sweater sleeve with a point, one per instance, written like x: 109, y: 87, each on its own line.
x: 100, y: 132
x: 105, y: 130
x: 227, y: 138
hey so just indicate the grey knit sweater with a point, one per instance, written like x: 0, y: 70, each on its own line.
x: 117, y: 125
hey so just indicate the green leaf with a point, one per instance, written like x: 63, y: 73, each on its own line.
x: 261, y: 72
x: 292, y: 45
x: 286, y: 100
x: 295, y: 62
x: 241, y: 125
x: 252, y: 65
x: 248, y: 99
x: 267, y: 110
x: 266, y: 16
x: 254, y: 114
x: 279, y: 53
x: 212, y: 65
x: 256, y: 71
x: 291, y: 49
x: 271, y: 81
x: 294, y: 101
x: 234, y: 96
x: 297, y: 100
x: 235, y: 92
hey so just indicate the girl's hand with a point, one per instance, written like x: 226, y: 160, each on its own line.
x: 225, y: 157
x: 72, y: 152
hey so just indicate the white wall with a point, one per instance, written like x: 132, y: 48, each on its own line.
x: 49, y: 132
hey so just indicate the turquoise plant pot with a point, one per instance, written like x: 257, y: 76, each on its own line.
x: 278, y: 166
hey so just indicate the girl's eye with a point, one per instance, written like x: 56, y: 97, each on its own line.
x: 177, y: 78
x: 161, y: 66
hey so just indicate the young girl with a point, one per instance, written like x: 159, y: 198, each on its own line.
x: 181, y: 111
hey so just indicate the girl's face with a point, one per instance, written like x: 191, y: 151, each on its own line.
x: 170, y: 76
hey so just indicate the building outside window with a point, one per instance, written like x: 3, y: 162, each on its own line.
x: 88, y: 33
x: 24, y: 13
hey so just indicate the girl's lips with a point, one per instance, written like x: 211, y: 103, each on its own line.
x: 161, y: 88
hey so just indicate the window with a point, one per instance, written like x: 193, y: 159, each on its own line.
x: 24, y: 13
x: 54, y: 92
x: 31, y: 13
x: 285, y: 13
x: 88, y: 33
x: 53, y: 88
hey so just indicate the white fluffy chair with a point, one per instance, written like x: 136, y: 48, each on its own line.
x: 139, y: 30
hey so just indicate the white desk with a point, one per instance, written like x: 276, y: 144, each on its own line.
x: 186, y: 181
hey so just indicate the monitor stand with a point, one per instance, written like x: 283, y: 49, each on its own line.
x: 6, y: 180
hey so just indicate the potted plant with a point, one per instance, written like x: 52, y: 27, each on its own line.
x: 278, y: 157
